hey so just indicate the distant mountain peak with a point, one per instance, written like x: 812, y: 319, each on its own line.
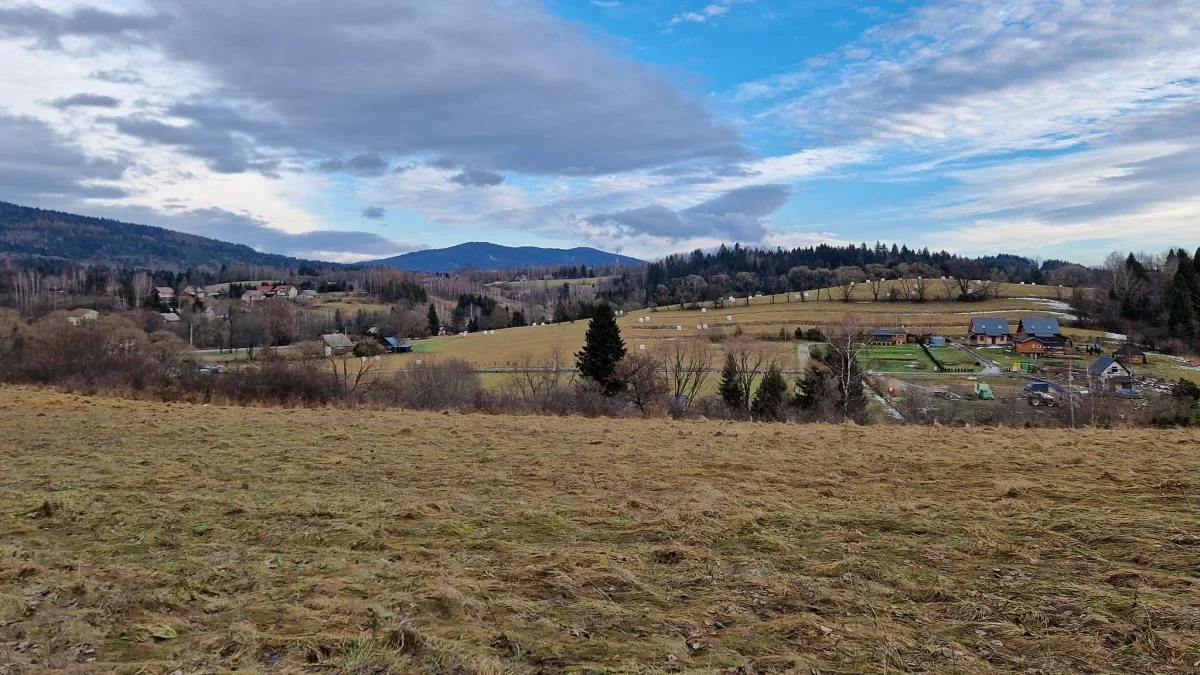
x: 486, y: 255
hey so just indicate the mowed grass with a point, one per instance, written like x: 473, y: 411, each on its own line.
x: 151, y: 538
x: 761, y: 318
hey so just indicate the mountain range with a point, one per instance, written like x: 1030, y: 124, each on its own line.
x: 28, y: 233
x: 486, y: 256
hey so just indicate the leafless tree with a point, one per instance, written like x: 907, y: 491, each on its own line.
x: 533, y: 379
x: 357, y: 372
x: 920, y: 289
x: 877, y: 286
x: 845, y: 354
x: 686, y: 364
x: 750, y: 359
x: 846, y: 278
x: 643, y: 381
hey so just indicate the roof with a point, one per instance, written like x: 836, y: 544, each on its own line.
x: 308, y: 292
x: 1041, y: 327
x: 889, y: 331
x: 1130, y: 350
x: 337, y: 340
x: 82, y: 311
x: 393, y: 342
x: 990, y: 327
x: 165, y: 290
x: 170, y: 317
x: 1102, y: 364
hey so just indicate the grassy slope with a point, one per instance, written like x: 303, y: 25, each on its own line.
x: 760, y: 318
x: 335, y: 541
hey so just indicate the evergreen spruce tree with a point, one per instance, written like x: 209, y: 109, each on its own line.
x: 731, y: 387
x: 1180, y: 295
x: 435, y: 324
x: 602, y: 348
x: 771, y: 396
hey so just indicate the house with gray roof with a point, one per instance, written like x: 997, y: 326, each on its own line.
x: 987, y: 332
x: 1110, y: 374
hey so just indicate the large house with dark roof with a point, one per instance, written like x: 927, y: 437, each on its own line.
x: 1036, y: 336
x: 987, y: 332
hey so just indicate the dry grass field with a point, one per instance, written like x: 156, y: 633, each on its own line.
x: 761, y: 317
x: 152, y: 538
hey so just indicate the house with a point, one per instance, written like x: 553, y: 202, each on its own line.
x: 285, y: 291
x: 337, y: 343
x: 1129, y: 355
x: 252, y: 296
x: 1111, y: 374
x: 165, y: 292
x: 1045, y: 328
x: 986, y: 332
x: 216, y: 313
x: 888, y: 337
x: 78, y: 316
x: 192, y: 291
x: 308, y: 294
x: 1030, y: 345
x: 395, y: 346
x: 170, y: 317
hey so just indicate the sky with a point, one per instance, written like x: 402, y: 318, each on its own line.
x: 362, y: 129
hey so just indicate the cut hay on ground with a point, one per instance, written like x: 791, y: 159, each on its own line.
x: 147, y: 538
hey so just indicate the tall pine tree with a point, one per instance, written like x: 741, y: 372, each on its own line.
x: 771, y: 396
x: 435, y: 324
x: 602, y: 348
x: 1182, y: 292
x: 731, y: 385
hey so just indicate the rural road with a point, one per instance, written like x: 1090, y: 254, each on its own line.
x: 992, y: 367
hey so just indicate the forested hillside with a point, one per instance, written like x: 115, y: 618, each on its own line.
x: 37, y: 234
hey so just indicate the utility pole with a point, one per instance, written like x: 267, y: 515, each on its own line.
x: 1070, y: 393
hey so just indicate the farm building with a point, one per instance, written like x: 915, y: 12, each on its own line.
x: 1111, y: 374
x: 985, y: 332
x: 308, y: 295
x: 1129, y: 355
x: 252, y: 296
x: 395, y: 346
x: 888, y: 337
x: 170, y: 317
x: 78, y: 316
x: 336, y: 343
x: 289, y: 292
x: 165, y: 292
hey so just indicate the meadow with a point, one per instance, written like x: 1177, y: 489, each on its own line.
x: 141, y: 537
x: 760, y: 318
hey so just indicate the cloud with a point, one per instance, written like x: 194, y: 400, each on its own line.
x: 477, y: 178
x: 738, y: 215
x: 37, y: 163
x: 49, y: 27
x: 117, y: 76
x: 374, y: 212
x: 86, y: 101
x: 710, y: 11
x: 212, y: 144
x: 406, y: 78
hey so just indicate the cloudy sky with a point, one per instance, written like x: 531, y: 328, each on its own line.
x: 364, y: 128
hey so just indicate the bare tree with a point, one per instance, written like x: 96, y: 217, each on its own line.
x: 356, y: 372
x: 920, y: 289
x: 643, y: 382
x: 750, y: 359
x: 686, y: 365
x: 845, y: 278
x: 532, y: 379
x: 876, y: 286
x: 844, y: 356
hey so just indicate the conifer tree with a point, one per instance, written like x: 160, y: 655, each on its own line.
x: 602, y: 348
x: 435, y: 324
x: 731, y: 386
x: 771, y: 396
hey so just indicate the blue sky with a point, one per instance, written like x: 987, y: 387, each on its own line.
x: 365, y: 128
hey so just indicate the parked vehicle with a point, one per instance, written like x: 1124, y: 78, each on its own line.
x: 983, y: 391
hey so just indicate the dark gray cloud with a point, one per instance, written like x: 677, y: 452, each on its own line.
x: 213, y: 145
x: 374, y: 212
x: 477, y: 178
x: 49, y: 27
x: 86, y: 101
x: 738, y: 215
x: 445, y: 163
x: 37, y: 163
x: 117, y: 76
x: 367, y: 164
x: 502, y: 85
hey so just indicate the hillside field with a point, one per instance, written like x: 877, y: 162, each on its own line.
x: 760, y: 318
x: 151, y: 538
